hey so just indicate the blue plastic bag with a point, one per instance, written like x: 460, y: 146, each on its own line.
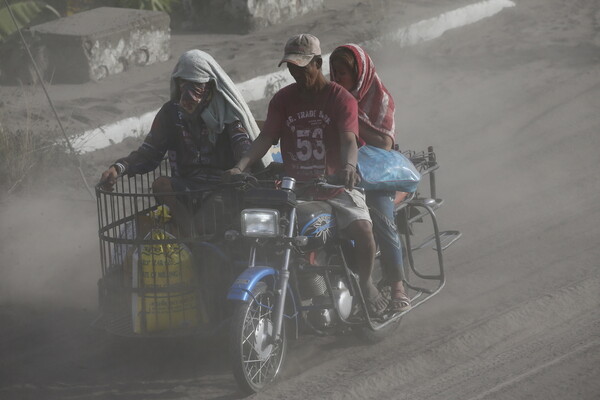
x: 386, y: 170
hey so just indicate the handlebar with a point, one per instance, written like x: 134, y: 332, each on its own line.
x: 238, y: 179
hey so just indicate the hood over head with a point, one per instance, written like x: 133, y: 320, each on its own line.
x: 376, y: 106
x: 226, y: 105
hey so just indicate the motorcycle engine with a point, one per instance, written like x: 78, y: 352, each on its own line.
x: 313, y: 290
x: 326, y: 317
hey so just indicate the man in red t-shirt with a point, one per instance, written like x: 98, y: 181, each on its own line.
x: 316, y: 122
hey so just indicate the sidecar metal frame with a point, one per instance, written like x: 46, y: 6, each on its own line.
x: 123, y: 222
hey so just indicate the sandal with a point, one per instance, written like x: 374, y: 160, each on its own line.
x: 400, y: 302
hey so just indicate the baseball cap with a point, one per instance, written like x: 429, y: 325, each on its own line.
x: 300, y: 49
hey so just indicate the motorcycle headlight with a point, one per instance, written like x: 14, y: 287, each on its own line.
x: 258, y: 222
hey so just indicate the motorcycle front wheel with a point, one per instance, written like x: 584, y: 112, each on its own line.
x: 256, y: 357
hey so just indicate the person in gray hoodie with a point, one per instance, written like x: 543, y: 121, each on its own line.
x: 205, y: 128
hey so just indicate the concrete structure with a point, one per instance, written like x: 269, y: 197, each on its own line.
x: 100, y: 42
x: 248, y: 15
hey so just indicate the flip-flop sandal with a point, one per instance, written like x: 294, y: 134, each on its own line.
x: 400, y: 303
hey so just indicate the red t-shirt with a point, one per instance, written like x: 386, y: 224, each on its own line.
x: 310, y: 130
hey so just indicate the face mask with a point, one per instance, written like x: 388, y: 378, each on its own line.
x: 193, y: 95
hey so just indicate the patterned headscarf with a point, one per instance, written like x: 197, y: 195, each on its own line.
x: 375, y: 104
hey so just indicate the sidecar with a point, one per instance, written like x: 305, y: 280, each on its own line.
x: 157, y: 281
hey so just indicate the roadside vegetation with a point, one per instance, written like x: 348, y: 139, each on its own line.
x: 28, y: 153
x: 25, y: 157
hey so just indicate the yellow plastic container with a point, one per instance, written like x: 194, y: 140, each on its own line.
x: 167, y: 268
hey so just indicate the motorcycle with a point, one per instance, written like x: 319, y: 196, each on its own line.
x: 300, y: 278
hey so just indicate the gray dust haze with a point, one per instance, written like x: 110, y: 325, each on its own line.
x: 510, y: 105
x: 49, y: 250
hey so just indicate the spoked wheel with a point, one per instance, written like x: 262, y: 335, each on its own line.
x: 256, y: 357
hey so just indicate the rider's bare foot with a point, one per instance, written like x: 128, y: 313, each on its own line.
x: 376, y: 302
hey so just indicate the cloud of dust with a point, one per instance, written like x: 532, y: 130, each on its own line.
x: 49, y: 250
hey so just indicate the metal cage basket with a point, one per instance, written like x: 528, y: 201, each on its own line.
x: 159, y: 279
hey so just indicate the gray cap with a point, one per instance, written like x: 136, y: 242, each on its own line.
x: 300, y: 49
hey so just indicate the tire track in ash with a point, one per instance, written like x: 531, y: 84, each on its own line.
x: 522, y: 355
x: 466, y: 355
x: 528, y: 374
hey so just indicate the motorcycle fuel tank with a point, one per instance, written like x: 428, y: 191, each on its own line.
x: 316, y: 222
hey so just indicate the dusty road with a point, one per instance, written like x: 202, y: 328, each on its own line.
x: 511, y: 106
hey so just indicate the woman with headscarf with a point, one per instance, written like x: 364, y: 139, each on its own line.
x: 352, y: 68
x: 205, y: 127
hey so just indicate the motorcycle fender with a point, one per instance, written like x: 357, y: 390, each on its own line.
x: 242, y: 287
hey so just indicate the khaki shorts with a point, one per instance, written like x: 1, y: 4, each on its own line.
x: 349, y: 206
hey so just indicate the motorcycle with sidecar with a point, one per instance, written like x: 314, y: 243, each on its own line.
x: 258, y: 261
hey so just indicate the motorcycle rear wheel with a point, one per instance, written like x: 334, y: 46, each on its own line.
x: 256, y: 359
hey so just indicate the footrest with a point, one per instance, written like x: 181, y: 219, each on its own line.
x: 446, y: 240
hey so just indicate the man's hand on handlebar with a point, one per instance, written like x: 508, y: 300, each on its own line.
x: 348, y: 176
x: 228, y: 176
x: 109, y: 178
